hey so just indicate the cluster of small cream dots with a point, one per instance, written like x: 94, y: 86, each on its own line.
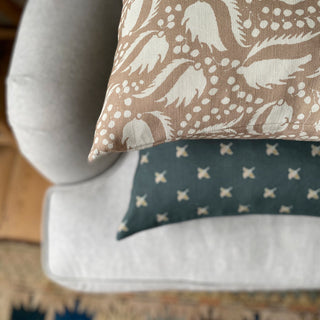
x: 125, y: 88
x: 298, y: 20
x: 214, y: 112
x: 103, y: 131
x: 300, y: 92
x: 184, y: 47
x: 169, y: 22
x: 135, y: 85
x: 224, y: 101
x: 122, y: 50
x: 231, y: 81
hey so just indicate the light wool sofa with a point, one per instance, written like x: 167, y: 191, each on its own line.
x: 55, y: 90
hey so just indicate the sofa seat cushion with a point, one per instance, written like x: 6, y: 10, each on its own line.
x: 80, y: 250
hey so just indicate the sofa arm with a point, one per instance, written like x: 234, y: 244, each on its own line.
x: 57, y: 81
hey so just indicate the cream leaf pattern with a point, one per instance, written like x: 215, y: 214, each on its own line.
x: 282, y: 40
x: 136, y: 132
x: 161, y: 77
x: 166, y: 123
x: 208, y: 33
x: 130, y: 50
x: 265, y: 73
x: 154, y: 51
x: 236, y: 23
x: 278, y: 119
x: 189, y: 85
x: 153, y: 12
x: 221, y: 127
x: 315, y: 74
x: 132, y: 15
x: 256, y: 117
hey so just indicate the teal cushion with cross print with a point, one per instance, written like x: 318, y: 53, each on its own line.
x: 187, y: 180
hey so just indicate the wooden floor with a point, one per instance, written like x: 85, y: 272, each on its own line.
x: 21, y: 187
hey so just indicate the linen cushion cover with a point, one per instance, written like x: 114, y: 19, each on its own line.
x: 212, y: 69
x: 207, y: 178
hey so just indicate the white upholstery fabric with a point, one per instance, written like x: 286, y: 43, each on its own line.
x: 231, y: 253
x: 57, y: 82
x: 56, y: 88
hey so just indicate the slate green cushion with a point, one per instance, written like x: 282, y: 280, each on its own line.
x: 187, y: 180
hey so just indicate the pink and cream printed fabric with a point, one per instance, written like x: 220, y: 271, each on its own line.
x: 209, y: 69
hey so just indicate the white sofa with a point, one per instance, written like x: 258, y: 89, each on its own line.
x: 55, y: 90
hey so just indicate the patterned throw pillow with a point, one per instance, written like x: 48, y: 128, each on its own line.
x: 207, y: 178
x: 196, y: 69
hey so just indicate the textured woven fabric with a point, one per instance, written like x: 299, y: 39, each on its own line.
x: 212, y: 69
x: 207, y: 178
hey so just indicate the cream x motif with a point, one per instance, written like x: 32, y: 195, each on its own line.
x: 225, y: 192
x: 203, y: 173
x: 294, y: 174
x: 226, y: 149
x: 248, y: 173
x: 182, y: 195
x: 160, y: 177
x: 313, y: 194
x: 202, y: 211
x: 141, y: 201
x: 243, y: 208
x: 144, y: 158
x: 162, y: 217
x: 181, y: 151
x: 315, y: 150
x: 272, y: 149
x: 269, y: 193
x: 285, y: 209
x: 123, y: 227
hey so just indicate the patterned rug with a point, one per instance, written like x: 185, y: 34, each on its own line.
x: 26, y: 294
